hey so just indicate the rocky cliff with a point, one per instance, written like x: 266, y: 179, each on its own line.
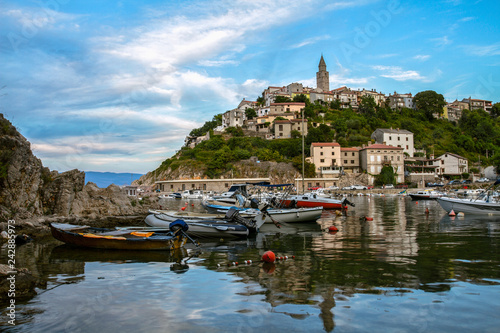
x: 29, y: 190
x: 278, y: 173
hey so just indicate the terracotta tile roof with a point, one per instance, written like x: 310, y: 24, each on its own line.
x: 382, y: 146
x: 325, y: 144
x: 349, y: 149
x: 290, y: 103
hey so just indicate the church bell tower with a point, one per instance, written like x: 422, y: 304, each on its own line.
x: 322, y: 76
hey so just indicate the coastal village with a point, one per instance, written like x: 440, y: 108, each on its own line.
x: 388, y: 146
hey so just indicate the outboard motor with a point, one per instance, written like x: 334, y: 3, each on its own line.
x: 254, y: 203
x: 178, y: 224
x: 234, y: 216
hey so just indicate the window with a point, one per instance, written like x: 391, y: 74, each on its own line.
x: 385, y: 158
x: 398, y: 158
x: 352, y: 161
x: 333, y: 153
x: 280, y: 127
x: 390, y: 137
x: 322, y: 160
x: 392, y: 158
x: 372, y: 158
x: 345, y: 161
x: 407, y: 147
x: 321, y: 153
x: 406, y: 138
x: 399, y: 139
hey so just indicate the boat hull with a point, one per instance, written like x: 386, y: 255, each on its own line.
x: 85, y: 238
x: 309, y: 203
x: 202, y: 228
x: 470, y: 206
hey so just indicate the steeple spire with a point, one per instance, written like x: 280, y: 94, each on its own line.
x: 322, y: 76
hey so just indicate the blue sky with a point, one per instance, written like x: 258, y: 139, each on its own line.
x: 117, y: 85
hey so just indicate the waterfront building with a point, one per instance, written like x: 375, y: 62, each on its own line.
x: 452, y: 165
x: 350, y: 159
x: 375, y: 156
x: 326, y: 157
x: 395, y: 137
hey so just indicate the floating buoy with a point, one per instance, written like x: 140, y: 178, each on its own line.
x: 460, y: 214
x: 192, y: 205
x: 183, y: 208
x: 452, y: 213
x: 333, y: 229
x: 416, y: 202
x: 268, y: 256
x: 368, y: 218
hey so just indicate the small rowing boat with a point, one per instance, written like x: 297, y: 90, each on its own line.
x: 121, y: 239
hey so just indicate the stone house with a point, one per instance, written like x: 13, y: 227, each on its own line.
x: 283, y: 128
x: 452, y: 165
x: 350, y: 160
x: 395, y: 137
x: 374, y: 157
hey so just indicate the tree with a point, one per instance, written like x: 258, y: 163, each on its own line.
x: 430, y: 103
x: 367, y: 106
x: 495, y: 110
x: 282, y: 99
x: 250, y: 113
x: 301, y: 99
x: 386, y: 176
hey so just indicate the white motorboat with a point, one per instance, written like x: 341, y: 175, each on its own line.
x: 426, y: 195
x: 487, y: 203
x: 230, y: 226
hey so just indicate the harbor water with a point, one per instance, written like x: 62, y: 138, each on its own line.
x: 412, y: 268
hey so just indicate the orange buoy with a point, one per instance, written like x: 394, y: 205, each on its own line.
x: 192, y: 205
x: 452, y: 213
x: 268, y: 256
x: 183, y: 208
x: 368, y: 218
x: 333, y: 229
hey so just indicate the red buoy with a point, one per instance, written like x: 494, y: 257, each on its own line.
x: 333, y: 229
x: 368, y: 218
x: 268, y: 256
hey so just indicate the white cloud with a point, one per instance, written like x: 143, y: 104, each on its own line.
x: 309, y: 41
x: 398, y: 74
x: 441, y: 41
x: 422, y: 57
x: 483, y: 50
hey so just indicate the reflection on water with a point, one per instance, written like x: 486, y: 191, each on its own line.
x: 406, y: 270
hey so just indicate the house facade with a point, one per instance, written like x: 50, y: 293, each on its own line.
x: 395, y: 137
x: 374, y: 157
x: 326, y: 157
x: 452, y: 165
x: 350, y: 160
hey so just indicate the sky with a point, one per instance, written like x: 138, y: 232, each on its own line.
x: 117, y: 85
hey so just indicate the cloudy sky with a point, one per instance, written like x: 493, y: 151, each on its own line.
x: 117, y: 85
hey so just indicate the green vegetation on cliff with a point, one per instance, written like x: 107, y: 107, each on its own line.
x: 476, y: 136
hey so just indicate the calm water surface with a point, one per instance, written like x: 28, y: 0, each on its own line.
x: 405, y: 271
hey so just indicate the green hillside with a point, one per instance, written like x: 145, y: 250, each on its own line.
x: 476, y: 136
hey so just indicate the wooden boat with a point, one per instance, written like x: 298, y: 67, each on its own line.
x: 120, y: 239
x: 228, y: 225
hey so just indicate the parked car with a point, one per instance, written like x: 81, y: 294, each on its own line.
x: 359, y: 187
x: 454, y: 182
x: 465, y: 181
x: 346, y: 188
x: 482, y: 180
x: 333, y: 187
x: 388, y: 186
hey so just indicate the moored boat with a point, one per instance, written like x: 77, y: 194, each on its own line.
x: 120, y: 239
x: 313, y: 200
x: 426, y: 195
x: 487, y: 203
x: 229, y: 225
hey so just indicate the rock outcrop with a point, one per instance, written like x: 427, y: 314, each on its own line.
x: 29, y: 190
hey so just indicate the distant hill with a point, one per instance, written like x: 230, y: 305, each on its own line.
x: 104, y: 179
